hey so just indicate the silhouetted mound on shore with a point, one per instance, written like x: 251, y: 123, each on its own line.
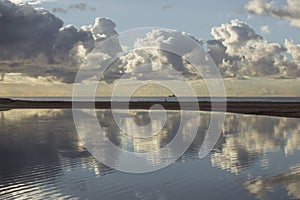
x: 280, y: 109
x: 6, y: 100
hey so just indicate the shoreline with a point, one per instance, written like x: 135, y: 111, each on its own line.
x: 280, y: 109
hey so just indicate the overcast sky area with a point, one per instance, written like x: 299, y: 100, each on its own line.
x: 254, y: 43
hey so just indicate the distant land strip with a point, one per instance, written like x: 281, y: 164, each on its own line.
x: 281, y: 109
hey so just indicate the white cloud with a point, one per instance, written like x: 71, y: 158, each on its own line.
x: 102, y: 28
x: 290, y: 12
x: 246, y: 52
x: 31, y: 2
x: 265, y: 29
x: 234, y: 35
x: 43, y: 46
x: 293, y: 49
x: 157, y: 54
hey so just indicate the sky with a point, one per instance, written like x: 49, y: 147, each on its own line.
x: 43, y: 42
x: 192, y: 16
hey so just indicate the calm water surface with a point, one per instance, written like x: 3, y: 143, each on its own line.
x: 42, y: 157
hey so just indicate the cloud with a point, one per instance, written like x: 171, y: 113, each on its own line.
x: 35, y: 43
x: 155, y: 55
x: 290, y: 12
x: 239, y: 51
x: 26, y: 31
x: 166, y: 7
x: 82, y: 6
x: 234, y: 35
x: 79, y: 6
x: 265, y: 29
x: 290, y: 67
x: 31, y: 2
x: 293, y: 49
x: 59, y: 10
x: 102, y: 28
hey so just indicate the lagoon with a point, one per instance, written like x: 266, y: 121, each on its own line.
x: 43, y: 157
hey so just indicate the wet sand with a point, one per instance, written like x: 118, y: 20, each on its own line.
x: 282, y: 109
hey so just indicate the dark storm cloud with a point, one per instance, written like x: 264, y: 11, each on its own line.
x: 30, y: 37
x: 26, y: 31
x: 35, y: 43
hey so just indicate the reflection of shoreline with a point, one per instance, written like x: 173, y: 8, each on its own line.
x: 282, y: 109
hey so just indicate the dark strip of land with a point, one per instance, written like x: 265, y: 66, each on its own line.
x: 282, y: 109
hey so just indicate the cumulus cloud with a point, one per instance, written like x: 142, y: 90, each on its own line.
x: 290, y: 12
x: 234, y: 35
x: 157, y: 55
x: 293, y: 49
x: 290, y: 67
x: 102, y: 28
x: 34, y: 42
x: 239, y: 51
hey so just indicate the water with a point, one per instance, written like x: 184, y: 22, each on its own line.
x: 42, y: 157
